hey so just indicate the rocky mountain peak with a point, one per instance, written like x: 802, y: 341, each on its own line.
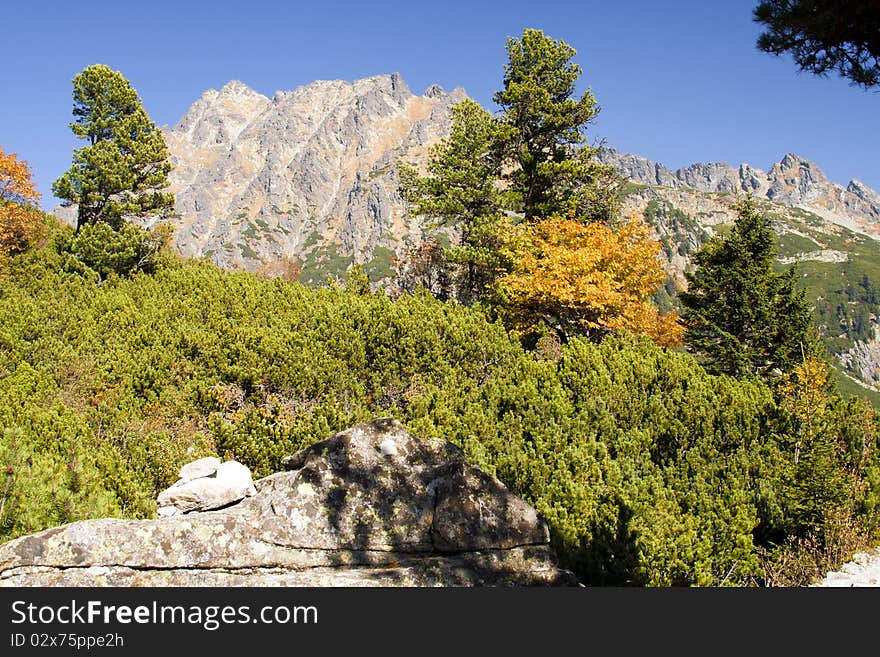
x: 236, y: 88
x: 258, y: 181
x: 793, y: 162
x: 795, y: 180
x: 862, y: 191
x: 219, y: 116
x: 434, y: 91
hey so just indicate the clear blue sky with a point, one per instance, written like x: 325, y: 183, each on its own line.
x: 677, y: 81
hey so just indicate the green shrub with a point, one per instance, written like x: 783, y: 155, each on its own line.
x: 649, y: 470
x: 100, y: 248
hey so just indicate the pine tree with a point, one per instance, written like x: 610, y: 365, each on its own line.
x: 742, y: 317
x: 123, y: 169
x: 532, y: 161
x: 824, y: 36
x: 460, y: 192
x: 552, y: 169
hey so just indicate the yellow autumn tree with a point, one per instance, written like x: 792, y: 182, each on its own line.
x: 20, y: 220
x: 586, y: 279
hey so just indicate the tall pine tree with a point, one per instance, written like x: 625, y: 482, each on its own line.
x: 551, y: 169
x: 742, y: 317
x: 530, y: 162
x: 123, y: 169
x: 459, y: 192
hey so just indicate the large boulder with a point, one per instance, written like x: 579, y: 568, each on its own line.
x: 372, y: 505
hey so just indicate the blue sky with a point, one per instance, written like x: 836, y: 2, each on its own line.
x: 678, y: 82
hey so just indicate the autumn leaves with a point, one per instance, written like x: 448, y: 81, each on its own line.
x: 20, y: 220
x: 587, y: 279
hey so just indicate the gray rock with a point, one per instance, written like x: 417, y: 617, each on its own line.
x: 862, y: 570
x: 711, y: 177
x: 201, y: 468
x: 206, y: 484
x: 793, y: 181
x: 372, y: 505
x: 862, y: 191
x: 419, y: 495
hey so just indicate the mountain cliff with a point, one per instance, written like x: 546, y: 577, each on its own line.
x: 309, y: 174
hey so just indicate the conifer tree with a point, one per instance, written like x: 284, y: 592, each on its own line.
x: 532, y: 161
x: 742, y: 317
x: 460, y: 192
x: 123, y: 169
x: 551, y: 168
x: 824, y: 36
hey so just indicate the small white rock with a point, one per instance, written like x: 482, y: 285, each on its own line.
x: 236, y: 476
x: 387, y: 447
x: 200, y: 468
x: 167, y: 511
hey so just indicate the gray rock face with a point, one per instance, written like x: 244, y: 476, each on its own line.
x: 372, y: 505
x: 863, y: 360
x: 793, y: 181
x: 862, y: 191
x: 257, y: 180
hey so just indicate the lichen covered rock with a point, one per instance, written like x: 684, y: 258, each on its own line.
x: 372, y: 505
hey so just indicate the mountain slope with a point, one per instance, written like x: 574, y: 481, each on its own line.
x: 309, y: 174
x: 830, y: 231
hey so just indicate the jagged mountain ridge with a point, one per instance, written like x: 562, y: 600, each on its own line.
x: 308, y: 173
x: 793, y: 181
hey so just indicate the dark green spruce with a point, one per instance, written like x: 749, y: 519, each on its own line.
x: 123, y: 168
x: 743, y: 317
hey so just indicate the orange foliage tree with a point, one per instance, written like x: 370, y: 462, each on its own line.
x: 586, y: 279
x: 20, y: 220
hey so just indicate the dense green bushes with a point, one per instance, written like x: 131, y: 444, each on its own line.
x: 99, y: 249
x: 649, y: 470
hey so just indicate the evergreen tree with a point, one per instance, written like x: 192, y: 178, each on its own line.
x: 460, y: 193
x: 742, y: 317
x: 124, y: 167
x: 824, y: 36
x: 531, y: 161
x: 552, y: 169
